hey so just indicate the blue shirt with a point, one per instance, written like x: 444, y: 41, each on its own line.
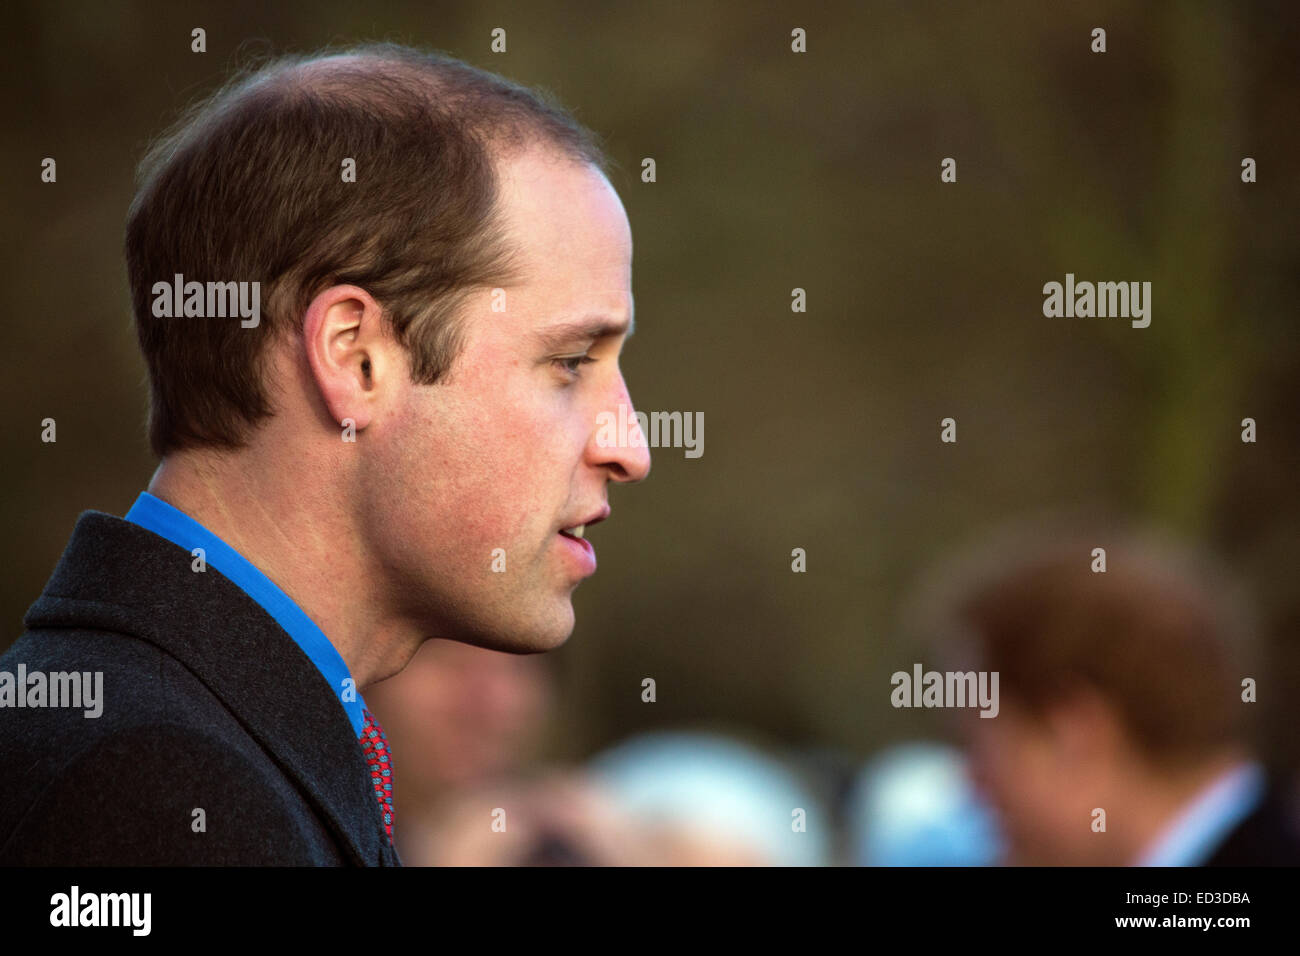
x: 182, y: 530
x: 1203, y: 823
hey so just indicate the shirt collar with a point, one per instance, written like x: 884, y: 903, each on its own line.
x: 1200, y: 826
x: 179, y: 528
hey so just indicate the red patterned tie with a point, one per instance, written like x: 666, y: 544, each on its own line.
x: 375, y: 746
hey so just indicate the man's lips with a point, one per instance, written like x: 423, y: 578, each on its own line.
x: 577, y: 545
x: 579, y: 528
x: 581, y: 551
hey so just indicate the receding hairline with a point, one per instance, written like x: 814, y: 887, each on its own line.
x: 356, y: 74
x: 429, y: 132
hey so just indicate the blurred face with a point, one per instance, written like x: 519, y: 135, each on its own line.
x: 483, y: 482
x: 460, y: 715
x: 1020, y: 765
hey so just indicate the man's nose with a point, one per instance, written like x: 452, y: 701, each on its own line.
x: 619, y: 444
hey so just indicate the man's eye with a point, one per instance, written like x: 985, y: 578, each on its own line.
x: 570, y: 365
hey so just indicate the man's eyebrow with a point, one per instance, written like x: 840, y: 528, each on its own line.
x: 587, y: 327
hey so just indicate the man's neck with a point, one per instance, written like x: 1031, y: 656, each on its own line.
x: 299, y: 538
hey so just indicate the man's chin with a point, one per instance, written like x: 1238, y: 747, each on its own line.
x: 541, y: 633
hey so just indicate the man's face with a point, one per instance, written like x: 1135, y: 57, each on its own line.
x: 474, y: 478
x: 1022, y: 767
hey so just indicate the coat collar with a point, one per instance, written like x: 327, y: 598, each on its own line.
x: 117, y: 576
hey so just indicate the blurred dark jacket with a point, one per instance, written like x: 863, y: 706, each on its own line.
x: 1267, y: 837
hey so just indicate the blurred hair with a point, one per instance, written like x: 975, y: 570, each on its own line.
x: 1164, y: 635
x: 247, y: 186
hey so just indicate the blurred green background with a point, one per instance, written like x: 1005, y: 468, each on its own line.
x: 779, y: 170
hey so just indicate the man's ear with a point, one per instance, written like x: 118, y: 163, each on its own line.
x: 348, y: 351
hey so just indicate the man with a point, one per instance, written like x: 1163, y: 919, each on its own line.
x: 393, y: 439
x: 1121, y: 734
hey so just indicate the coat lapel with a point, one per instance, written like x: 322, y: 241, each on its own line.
x: 117, y: 576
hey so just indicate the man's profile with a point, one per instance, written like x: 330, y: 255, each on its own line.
x: 401, y: 446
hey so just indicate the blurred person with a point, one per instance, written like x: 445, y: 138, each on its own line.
x: 403, y: 444
x: 708, y: 800
x: 915, y: 805
x: 462, y: 717
x: 1121, y: 693
x: 552, y: 817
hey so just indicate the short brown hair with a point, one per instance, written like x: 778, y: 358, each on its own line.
x: 247, y: 186
x: 1163, y: 634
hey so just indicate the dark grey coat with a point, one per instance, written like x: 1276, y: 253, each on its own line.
x: 207, y: 704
